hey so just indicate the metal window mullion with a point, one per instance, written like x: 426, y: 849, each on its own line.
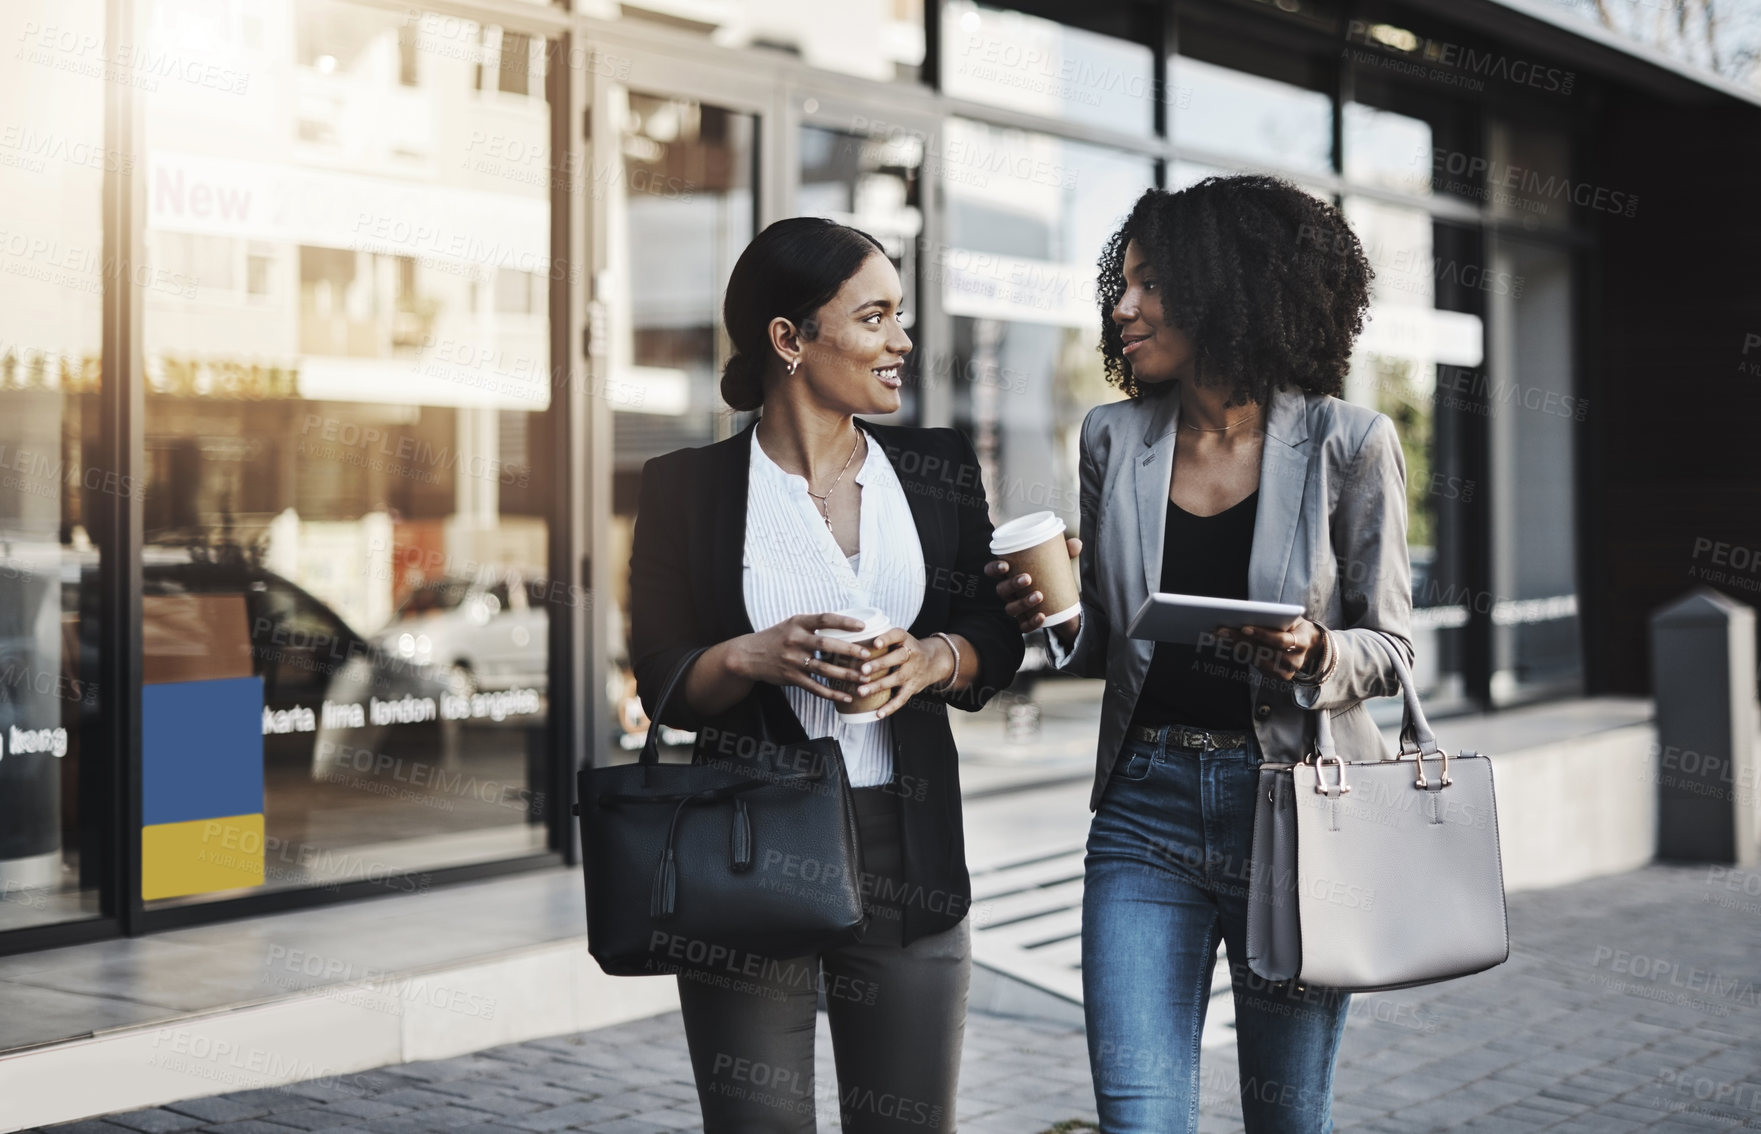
x: 121, y: 415
x: 571, y: 713
x: 1479, y: 543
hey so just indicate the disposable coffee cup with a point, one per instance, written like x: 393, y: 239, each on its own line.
x: 1034, y: 544
x: 874, y: 623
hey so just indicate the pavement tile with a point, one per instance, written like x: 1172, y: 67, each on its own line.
x: 366, y: 1108
x: 1546, y: 1042
x: 158, y: 1121
x: 313, y: 1118
x: 1595, y: 1123
x: 586, y: 1114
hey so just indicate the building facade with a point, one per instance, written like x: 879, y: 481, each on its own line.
x: 334, y: 335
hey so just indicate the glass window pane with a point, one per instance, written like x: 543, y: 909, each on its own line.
x: 1040, y: 66
x: 1411, y: 139
x: 1182, y: 174
x: 1387, y: 150
x: 875, y: 39
x: 1231, y: 113
x: 874, y: 183
x: 53, y: 481
x: 344, y: 408
x: 1406, y: 343
x: 1535, y: 414
x: 680, y: 208
x: 1529, y: 180
x: 1019, y: 279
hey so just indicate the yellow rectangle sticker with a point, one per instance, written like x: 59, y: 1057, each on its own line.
x: 200, y: 856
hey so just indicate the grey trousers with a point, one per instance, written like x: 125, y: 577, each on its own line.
x: 897, y: 1015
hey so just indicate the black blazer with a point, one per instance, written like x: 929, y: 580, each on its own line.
x: 687, y: 591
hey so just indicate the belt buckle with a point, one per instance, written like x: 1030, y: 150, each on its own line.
x: 1196, y: 738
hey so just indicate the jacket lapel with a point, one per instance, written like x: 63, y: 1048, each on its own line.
x: 1284, y: 461
x: 1154, y: 473
x: 732, y: 468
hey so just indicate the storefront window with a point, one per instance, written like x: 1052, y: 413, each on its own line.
x: 1536, y: 415
x: 680, y: 197
x: 1040, y: 66
x: 54, y: 481
x: 1025, y: 230
x: 1389, y: 150
x: 873, y: 39
x: 1182, y: 174
x: 1260, y: 121
x: 1407, y: 343
x: 1529, y: 181
x: 1402, y: 135
x: 873, y: 183
x: 345, y: 533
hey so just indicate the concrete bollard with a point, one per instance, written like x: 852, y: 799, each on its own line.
x: 1703, y: 679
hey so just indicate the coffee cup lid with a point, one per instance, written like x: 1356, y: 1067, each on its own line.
x: 1025, y: 532
x: 874, y: 622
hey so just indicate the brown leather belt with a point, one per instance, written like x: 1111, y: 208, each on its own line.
x: 1196, y: 739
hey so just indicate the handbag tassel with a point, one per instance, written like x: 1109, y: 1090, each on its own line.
x: 666, y: 887
x: 740, y: 839
x: 665, y: 894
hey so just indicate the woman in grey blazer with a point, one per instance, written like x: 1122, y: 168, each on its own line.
x: 1232, y: 469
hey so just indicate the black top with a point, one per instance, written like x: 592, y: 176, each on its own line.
x: 685, y: 592
x: 1202, y: 686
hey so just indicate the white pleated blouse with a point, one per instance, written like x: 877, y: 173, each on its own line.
x: 793, y: 565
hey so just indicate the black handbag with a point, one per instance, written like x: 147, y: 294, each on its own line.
x: 754, y: 850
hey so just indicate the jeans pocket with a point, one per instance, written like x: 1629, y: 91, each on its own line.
x: 1134, y: 765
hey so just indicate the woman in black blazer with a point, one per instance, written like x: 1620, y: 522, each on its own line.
x: 747, y: 547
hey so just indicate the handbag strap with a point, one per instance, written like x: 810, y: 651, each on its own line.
x: 1415, y: 729
x: 651, y: 746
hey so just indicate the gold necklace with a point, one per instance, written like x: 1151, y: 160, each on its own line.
x: 825, y: 501
x: 1214, y: 429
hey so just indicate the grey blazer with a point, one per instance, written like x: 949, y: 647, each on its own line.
x: 1329, y: 533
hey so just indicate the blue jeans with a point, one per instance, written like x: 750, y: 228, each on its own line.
x: 1166, y: 879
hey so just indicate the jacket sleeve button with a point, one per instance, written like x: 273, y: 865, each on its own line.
x: 1262, y: 710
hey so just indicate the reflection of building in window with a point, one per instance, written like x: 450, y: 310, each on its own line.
x: 1019, y: 279
x: 517, y: 292
x: 508, y: 56
x: 259, y: 263
x: 209, y: 261
x: 873, y: 184
x: 361, y: 304
x: 683, y: 211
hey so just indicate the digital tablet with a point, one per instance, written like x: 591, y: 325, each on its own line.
x: 1182, y: 618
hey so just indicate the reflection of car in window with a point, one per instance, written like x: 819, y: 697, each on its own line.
x: 483, y: 633
x: 306, y: 654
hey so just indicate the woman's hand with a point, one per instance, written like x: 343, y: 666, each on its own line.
x: 906, y: 665
x: 1281, y: 653
x: 783, y: 654
x: 1022, y: 601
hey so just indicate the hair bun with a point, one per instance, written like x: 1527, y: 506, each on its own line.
x: 742, y: 386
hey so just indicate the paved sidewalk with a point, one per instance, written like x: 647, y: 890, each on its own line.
x: 1629, y: 1003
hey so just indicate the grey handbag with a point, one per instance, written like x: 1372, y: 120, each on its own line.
x: 1373, y: 872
